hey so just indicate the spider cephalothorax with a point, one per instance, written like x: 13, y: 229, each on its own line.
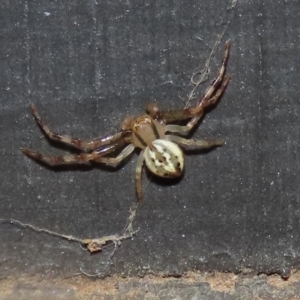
x: 153, y: 133
x: 162, y: 157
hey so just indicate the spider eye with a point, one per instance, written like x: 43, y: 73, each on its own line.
x: 164, y: 158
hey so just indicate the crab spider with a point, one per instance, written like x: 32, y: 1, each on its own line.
x: 153, y: 133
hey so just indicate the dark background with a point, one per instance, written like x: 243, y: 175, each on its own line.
x: 86, y: 65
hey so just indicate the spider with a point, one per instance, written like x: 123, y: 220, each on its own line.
x: 152, y: 133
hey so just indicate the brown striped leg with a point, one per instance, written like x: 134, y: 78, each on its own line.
x: 210, y: 97
x: 83, y: 158
x: 68, y: 159
x: 77, y: 143
x: 199, y: 111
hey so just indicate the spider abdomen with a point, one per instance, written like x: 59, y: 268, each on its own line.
x: 164, y: 158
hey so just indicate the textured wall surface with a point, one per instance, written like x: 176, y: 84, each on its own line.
x: 86, y: 65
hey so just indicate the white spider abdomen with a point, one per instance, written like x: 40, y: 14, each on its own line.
x: 164, y: 158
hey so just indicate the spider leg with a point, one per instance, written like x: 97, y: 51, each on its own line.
x: 113, y: 161
x: 74, y: 142
x: 210, y: 97
x: 199, y: 111
x: 138, y: 177
x: 214, y: 86
x: 192, y: 144
x: 83, y: 158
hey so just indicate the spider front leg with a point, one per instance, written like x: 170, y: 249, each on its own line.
x: 211, y: 96
x: 74, y: 142
x: 197, y: 113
